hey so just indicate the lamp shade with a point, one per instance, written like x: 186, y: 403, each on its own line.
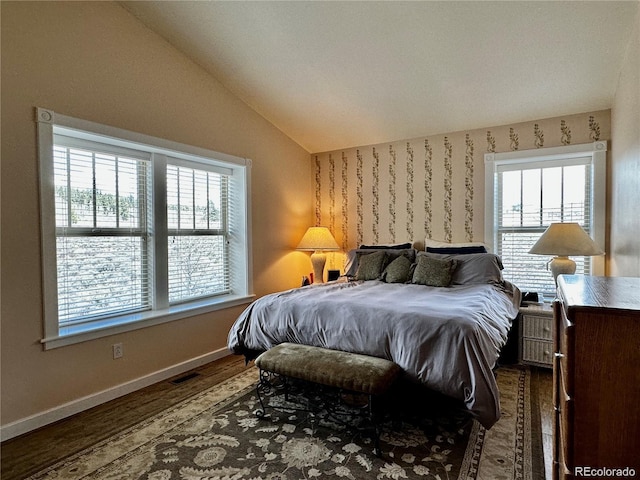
x: 564, y: 239
x: 318, y: 238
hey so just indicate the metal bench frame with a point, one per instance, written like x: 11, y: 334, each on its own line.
x: 297, y: 393
x: 359, y: 375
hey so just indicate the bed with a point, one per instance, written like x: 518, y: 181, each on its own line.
x: 442, y: 317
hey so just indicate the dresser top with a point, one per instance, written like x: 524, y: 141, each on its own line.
x: 620, y: 293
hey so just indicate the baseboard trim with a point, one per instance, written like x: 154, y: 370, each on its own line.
x: 27, y: 424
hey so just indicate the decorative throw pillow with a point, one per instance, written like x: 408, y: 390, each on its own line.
x: 433, y: 271
x: 370, y: 266
x: 397, y: 271
x: 353, y: 257
x: 473, y: 269
x: 478, y: 268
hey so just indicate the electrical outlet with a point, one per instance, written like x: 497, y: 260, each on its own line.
x: 117, y: 350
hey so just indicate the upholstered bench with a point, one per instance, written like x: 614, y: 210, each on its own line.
x: 347, y: 372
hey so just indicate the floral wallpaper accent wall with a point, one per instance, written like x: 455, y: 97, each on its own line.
x: 376, y: 197
x: 595, y: 129
x: 345, y: 204
x: 539, y: 136
x: 392, y: 194
x: 428, y: 190
x: 429, y: 187
x: 410, y: 199
x: 318, y: 192
x: 468, y: 194
x: 332, y: 194
x: 566, y: 133
x: 448, y: 179
x: 360, y: 218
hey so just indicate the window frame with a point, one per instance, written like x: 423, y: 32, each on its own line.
x: 597, y: 152
x: 49, y: 123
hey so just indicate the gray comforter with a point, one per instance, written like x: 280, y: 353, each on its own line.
x: 446, y: 338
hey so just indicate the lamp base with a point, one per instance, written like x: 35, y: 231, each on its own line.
x: 318, y: 259
x: 562, y: 265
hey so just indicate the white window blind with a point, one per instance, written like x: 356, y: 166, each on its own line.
x: 529, y: 190
x: 101, y: 199
x: 136, y: 230
x: 530, y: 198
x: 197, y: 211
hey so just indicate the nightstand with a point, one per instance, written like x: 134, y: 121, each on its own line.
x: 536, y: 335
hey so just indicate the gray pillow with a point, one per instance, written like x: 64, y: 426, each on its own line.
x: 353, y: 257
x: 434, y: 272
x: 473, y: 269
x: 370, y: 266
x: 397, y: 271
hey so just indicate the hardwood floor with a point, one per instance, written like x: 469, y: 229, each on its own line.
x: 542, y: 386
x: 29, y: 453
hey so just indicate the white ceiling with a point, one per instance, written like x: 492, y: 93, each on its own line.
x: 334, y: 75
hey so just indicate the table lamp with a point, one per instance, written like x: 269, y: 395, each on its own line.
x: 317, y: 240
x: 562, y: 240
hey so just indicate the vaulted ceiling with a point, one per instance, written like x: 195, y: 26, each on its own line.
x: 333, y: 75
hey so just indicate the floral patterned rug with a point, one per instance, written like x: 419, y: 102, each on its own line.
x: 215, y: 435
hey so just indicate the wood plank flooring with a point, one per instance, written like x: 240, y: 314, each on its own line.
x: 542, y: 385
x: 29, y: 453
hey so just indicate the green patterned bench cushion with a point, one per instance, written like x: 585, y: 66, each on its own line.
x: 348, y: 371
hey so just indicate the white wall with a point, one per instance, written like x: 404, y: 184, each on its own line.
x: 624, y: 247
x: 95, y: 61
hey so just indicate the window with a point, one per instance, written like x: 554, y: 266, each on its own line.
x: 136, y: 230
x: 197, y: 210
x: 101, y: 200
x: 527, y: 191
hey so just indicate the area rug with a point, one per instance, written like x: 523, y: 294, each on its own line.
x: 215, y: 435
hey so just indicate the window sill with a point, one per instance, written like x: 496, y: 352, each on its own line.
x: 82, y: 333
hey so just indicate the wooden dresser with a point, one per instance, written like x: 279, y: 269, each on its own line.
x: 596, y: 377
